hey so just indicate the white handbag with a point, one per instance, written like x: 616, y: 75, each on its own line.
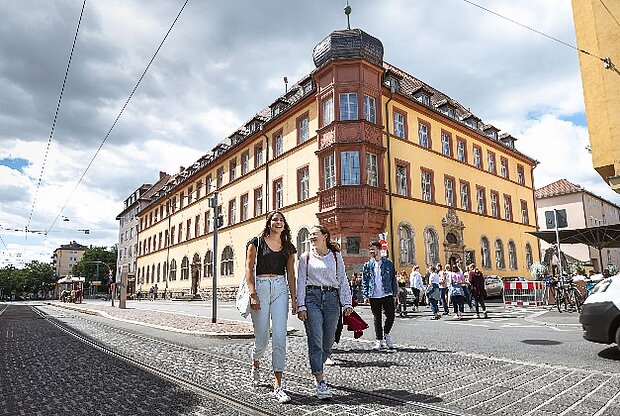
x: 242, y: 302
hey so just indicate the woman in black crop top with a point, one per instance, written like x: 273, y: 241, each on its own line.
x: 270, y: 275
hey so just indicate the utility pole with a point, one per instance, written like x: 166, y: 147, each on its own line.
x: 216, y: 220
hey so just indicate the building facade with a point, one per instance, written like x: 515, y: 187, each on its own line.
x: 364, y: 148
x: 598, y: 33
x: 67, y: 256
x: 583, y: 210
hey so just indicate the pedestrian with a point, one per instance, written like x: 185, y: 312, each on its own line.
x: 269, y: 265
x: 379, y: 286
x: 457, y: 295
x: 416, y: 285
x: 323, y: 293
x: 155, y: 292
x: 433, y: 292
x: 444, y: 283
x: 151, y: 293
x: 478, y: 289
x: 403, y: 282
x: 464, y: 274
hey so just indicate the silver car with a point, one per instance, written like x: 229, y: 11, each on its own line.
x: 494, y: 286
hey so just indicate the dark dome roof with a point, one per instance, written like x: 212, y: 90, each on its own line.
x: 348, y: 44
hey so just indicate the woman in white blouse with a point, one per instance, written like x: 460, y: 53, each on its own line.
x: 322, y: 289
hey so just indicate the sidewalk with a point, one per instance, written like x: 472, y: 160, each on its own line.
x: 551, y: 317
x: 168, y: 321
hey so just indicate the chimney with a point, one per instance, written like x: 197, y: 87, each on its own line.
x: 162, y: 174
x: 181, y: 169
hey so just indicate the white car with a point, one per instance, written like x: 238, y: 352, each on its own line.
x: 494, y: 286
x: 600, y: 314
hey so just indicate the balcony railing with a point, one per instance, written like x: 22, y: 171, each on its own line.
x: 361, y: 196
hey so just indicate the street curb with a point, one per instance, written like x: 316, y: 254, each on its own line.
x: 206, y: 334
x: 532, y: 319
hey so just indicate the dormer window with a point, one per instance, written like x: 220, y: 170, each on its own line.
x: 278, y: 107
x: 471, y: 121
x: 491, y: 132
x: 448, y: 109
x: 236, y: 137
x: 507, y: 140
x: 423, y: 98
x: 307, y: 87
x: 254, y: 125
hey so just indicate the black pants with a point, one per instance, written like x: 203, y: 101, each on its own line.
x: 339, y: 328
x: 416, y: 296
x: 385, y: 304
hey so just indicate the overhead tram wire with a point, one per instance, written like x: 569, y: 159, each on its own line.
x: 118, y: 116
x: 49, y: 141
x: 537, y: 31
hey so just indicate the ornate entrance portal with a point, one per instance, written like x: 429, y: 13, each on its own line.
x: 453, y: 245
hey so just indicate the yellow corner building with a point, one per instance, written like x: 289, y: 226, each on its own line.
x: 362, y: 147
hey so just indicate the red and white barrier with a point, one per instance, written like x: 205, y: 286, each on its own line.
x: 524, y: 293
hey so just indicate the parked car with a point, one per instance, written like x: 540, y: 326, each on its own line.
x: 600, y: 313
x: 514, y: 279
x: 494, y: 286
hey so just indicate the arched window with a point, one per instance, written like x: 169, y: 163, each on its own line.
x: 512, y: 255
x: 148, y: 275
x: 196, y: 264
x: 529, y: 259
x: 405, y: 243
x: 165, y: 275
x: 158, y: 271
x: 153, y: 273
x: 227, y: 261
x: 173, y: 269
x: 500, y: 262
x: 303, y: 242
x: 185, y: 268
x: 208, y: 265
x: 485, y: 252
x: 431, y: 246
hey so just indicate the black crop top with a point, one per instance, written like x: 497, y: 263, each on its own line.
x: 267, y: 260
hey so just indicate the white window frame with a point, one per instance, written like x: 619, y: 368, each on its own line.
x: 427, y: 186
x: 370, y: 112
x: 423, y: 135
x: 399, y: 125
x: 328, y: 111
x: 304, y: 184
x: 348, y: 106
x: 402, y: 176
x: 449, y: 185
x: 278, y: 145
x: 350, y: 167
x: 372, y: 172
x: 329, y: 169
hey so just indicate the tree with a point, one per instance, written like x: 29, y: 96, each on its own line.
x: 95, y: 264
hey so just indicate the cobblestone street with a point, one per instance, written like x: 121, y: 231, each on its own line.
x: 412, y: 380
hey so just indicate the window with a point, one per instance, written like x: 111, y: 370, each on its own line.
x: 258, y: 155
x: 188, y: 230
x: 494, y: 204
x: 220, y: 179
x: 524, y: 215
x: 328, y: 111
x: 172, y: 234
x: 190, y: 196
x: 431, y: 246
x: 372, y: 175
x: 485, y: 252
x: 245, y: 162
x: 209, y: 188
x: 399, y: 125
x: 244, y: 207
x: 303, y: 184
x: 329, y: 171
x: 165, y: 273
x: 198, y: 189
x: 181, y: 199
x: 353, y: 245
x: 512, y: 255
x: 500, y: 263
x: 173, y: 269
x: 424, y: 98
x: 208, y: 266
x: 185, y: 268
x: 278, y: 144
x: 232, y: 211
x: 180, y: 233
x: 303, y: 129
x: 227, y: 267
x: 350, y: 167
x: 529, y: 259
x: 424, y: 135
x: 507, y: 207
x: 258, y: 202
x: 449, y: 185
x: 197, y: 226
x: 477, y: 157
x: 232, y: 170
x: 503, y: 167
x: 405, y: 244
x: 465, y: 196
x: 303, y: 242
x: 207, y: 222
x: 446, y: 144
x: 370, y: 113
x: 481, y: 200
x: 461, y: 150
x: 491, y: 162
x: 520, y: 175
x: 427, y: 186
x: 348, y: 106
x: 402, y: 180
x: 278, y: 194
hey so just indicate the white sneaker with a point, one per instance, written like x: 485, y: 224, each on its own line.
x: 388, y: 341
x: 255, y: 376
x: 322, y: 391
x: 378, y: 345
x: 329, y: 361
x: 281, y: 395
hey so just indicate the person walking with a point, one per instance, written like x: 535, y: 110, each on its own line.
x: 416, y: 284
x: 323, y: 291
x: 457, y: 295
x: 155, y: 292
x: 403, y: 282
x: 433, y: 292
x: 379, y: 286
x: 444, y: 283
x: 478, y: 289
x: 464, y: 274
x: 269, y: 266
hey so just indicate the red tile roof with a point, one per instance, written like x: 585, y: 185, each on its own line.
x: 560, y: 187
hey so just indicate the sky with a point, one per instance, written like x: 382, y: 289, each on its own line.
x: 225, y: 60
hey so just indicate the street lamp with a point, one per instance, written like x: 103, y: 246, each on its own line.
x: 216, y: 223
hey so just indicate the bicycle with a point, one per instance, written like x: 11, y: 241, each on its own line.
x: 566, y: 293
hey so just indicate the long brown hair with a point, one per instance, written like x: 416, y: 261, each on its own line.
x: 331, y: 245
x: 285, y: 235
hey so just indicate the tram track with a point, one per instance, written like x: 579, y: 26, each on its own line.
x: 238, y: 404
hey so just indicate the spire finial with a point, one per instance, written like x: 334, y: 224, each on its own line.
x: 347, y: 11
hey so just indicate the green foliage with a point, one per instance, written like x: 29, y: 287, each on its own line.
x: 34, y: 278
x: 538, y: 270
x: 95, y: 264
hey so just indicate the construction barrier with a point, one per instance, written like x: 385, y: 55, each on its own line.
x: 524, y: 293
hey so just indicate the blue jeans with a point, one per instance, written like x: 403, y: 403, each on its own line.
x: 323, y: 312
x: 444, y: 299
x: 273, y: 295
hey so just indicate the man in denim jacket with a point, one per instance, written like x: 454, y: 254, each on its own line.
x: 380, y: 287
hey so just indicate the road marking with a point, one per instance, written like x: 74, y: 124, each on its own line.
x: 467, y: 324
